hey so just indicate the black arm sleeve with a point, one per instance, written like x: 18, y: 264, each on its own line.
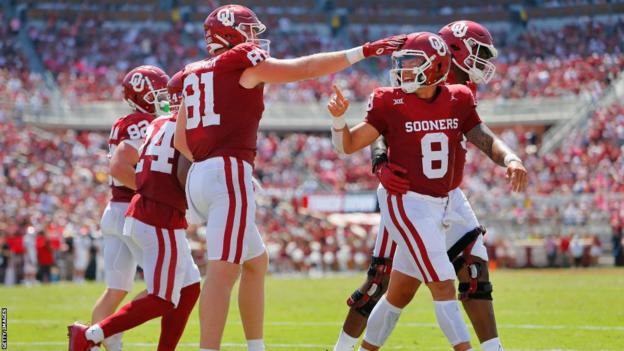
x: 379, y: 152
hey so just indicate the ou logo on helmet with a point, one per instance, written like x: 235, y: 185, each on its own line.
x: 226, y: 17
x: 138, y: 82
x: 438, y: 45
x: 459, y: 29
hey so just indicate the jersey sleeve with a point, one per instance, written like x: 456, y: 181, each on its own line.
x: 375, y: 115
x: 134, y: 129
x: 468, y: 111
x: 243, y: 56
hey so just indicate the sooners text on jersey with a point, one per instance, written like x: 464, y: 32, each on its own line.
x: 130, y: 129
x: 222, y: 116
x: 160, y: 200
x: 423, y: 135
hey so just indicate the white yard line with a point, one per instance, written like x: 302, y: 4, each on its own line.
x: 407, y: 324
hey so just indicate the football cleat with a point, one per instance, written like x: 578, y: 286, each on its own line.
x: 78, y: 340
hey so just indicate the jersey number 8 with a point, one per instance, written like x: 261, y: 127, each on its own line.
x: 429, y: 156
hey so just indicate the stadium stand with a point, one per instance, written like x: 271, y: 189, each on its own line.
x: 54, y: 181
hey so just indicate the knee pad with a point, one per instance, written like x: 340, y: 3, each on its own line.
x: 465, y: 241
x: 364, y: 299
x: 483, y: 291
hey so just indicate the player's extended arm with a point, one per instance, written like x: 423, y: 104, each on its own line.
x: 291, y: 70
x: 179, y: 138
x: 345, y: 140
x: 483, y: 138
x: 122, y: 163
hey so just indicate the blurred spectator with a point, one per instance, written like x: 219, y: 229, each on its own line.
x: 576, y: 250
x: 5, y: 257
x: 595, y: 250
x: 564, y: 249
x: 551, y: 250
x: 45, y: 257
x: 617, y: 241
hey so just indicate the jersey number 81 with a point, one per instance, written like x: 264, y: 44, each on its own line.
x: 200, y: 102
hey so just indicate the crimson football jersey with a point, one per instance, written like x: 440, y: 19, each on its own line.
x: 222, y: 116
x: 160, y: 200
x: 130, y: 129
x: 460, y: 157
x: 423, y: 135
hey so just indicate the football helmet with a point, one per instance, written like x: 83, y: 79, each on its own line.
x: 472, y: 48
x: 175, y: 87
x: 424, y: 60
x: 230, y: 25
x: 145, y: 89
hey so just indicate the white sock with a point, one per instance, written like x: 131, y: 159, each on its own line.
x: 345, y: 342
x: 451, y: 322
x: 113, y: 342
x: 255, y: 345
x: 381, y: 322
x: 95, y: 334
x: 492, y: 345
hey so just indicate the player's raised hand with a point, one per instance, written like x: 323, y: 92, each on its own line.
x: 385, y: 46
x: 517, y: 176
x: 337, y: 104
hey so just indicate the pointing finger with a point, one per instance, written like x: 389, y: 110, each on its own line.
x: 338, y: 92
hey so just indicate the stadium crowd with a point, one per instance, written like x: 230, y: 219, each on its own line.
x: 580, y: 59
x: 54, y: 184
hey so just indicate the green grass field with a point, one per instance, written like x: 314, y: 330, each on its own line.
x: 536, y: 310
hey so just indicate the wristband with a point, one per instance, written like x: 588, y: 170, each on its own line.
x: 511, y: 157
x: 337, y: 140
x: 338, y: 123
x: 355, y: 55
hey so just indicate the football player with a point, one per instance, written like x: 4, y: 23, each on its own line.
x: 155, y: 222
x: 472, y: 49
x: 217, y: 130
x: 144, y: 89
x: 424, y: 124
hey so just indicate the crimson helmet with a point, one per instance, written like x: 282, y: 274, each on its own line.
x: 174, y: 91
x: 145, y: 89
x: 424, y: 60
x: 472, y: 48
x: 230, y: 25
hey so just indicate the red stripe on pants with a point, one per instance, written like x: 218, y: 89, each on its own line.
x: 172, y: 264
x: 405, y: 238
x: 419, y: 242
x: 227, y: 235
x: 384, y: 242
x: 243, y: 213
x: 159, y: 261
